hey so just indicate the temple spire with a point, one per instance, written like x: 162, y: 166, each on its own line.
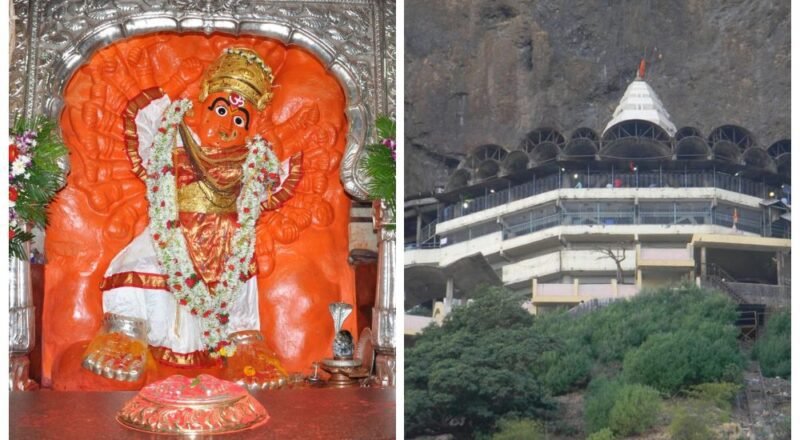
x: 640, y: 73
x: 640, y: 102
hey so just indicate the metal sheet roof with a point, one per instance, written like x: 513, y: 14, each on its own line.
x: 640, y: 102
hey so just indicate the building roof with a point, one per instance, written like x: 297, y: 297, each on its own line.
x: 470, y: 273
x: 640, y: 102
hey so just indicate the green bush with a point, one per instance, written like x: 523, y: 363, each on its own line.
x: 623, y: 325
x: 672, y: 361
x: 687, y: 425
x: 492, y: 360
x: 600, y: 398
x: 635, y: 410
x: 720, y: 394
x: 525, y: 429
x: 476, y: 369
x: 773, y: 348
x: 569, y: 369
x: 603, y: 434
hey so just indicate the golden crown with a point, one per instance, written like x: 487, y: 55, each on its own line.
x: 242, y: 71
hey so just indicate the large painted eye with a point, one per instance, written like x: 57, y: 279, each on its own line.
x: 239, y: 121
x: 222, y: 111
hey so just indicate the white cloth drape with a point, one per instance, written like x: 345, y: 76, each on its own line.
x: 158, y: 306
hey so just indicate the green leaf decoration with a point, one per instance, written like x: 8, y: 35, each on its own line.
x: 380, y: 165
x: 386, y: 127
x: 45, y: 177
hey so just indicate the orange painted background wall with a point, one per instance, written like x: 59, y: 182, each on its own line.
x: 301, y: 248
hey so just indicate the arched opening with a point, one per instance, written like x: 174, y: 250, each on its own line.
x: 635, y: 139
x: 784, y: 164
x: 727, y: 151
x: 582, y: 144
x: 758, y: 158
x: 733, y: 134
x: 515, y: 162
x: 544, y: 152
x: 487, y: 151
x: 486, y: 159
x: 487, y: 169
x: 459, y: 179
x: 687, y: 132
x: 691, y: 145
x: 780, y: 147
x: 541, y: 136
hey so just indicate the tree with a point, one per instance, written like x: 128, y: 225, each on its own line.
x: 617, y: 254
x: 476, y: 369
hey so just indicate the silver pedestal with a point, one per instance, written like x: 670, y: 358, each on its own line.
x: 383, y: 313
x: 21, y: 321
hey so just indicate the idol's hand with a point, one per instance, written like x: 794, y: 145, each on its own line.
x: 139, y: 59
x: 305, y: 118
x: 190, y: 70
x: 287, y: 230
x: 254, y: 365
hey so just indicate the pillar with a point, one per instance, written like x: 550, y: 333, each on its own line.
x: 448, y: 299
x: 614, y: 288
x: 575, y: 287
x: 419, y: 227
x: 703, y: 269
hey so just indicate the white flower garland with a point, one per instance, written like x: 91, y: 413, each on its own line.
x: 189, y: 289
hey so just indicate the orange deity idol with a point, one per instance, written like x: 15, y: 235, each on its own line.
x: 203, y: 228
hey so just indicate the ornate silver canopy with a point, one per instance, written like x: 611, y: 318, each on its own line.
x: 354, y: 39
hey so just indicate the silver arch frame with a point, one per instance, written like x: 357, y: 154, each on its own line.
x: 354, y: 39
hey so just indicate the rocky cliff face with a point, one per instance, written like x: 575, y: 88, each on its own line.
x: 489, y: 71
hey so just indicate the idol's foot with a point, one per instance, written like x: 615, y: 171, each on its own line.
x: 118, y: 352
x: 254, y: 365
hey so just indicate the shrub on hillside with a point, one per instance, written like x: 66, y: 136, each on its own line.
x: 492, y: 359
x: 524, y: 429
x: 603, y: 434
x: 773, y: 348
x: 569, y: 368
x: 611, y: 332
x: 635, y: 410
x: 672, y: 361
x: 688, y: 425
x: 600, y: 398
x: 720, y: 394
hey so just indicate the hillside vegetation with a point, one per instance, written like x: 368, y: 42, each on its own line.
x: 494, y: 369
x: 773, y: 350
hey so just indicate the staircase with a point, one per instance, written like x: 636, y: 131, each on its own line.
x: 750, y: 316
x: 718, y: 278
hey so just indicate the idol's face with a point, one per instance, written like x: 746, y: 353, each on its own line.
x: 225, y: 120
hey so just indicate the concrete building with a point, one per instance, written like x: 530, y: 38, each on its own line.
x: 592, y: 215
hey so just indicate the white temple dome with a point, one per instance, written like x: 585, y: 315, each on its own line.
x: 640, y: 102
